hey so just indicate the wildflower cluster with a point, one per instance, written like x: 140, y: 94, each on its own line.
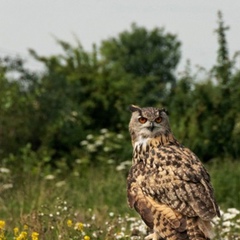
x: 79, y: 227
x: 5, y: 179
x: 125, y: 165
x: 18, y: 234
x: 116, y: 227
x: 103, y: 148
x: 69, y: 226
x: 228, y: 226
x: 2, y: 229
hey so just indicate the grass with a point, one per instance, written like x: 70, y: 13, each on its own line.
x: 47, y: 203
x: 90, y: 203
x: 225, y: 177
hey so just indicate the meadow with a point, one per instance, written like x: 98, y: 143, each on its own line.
x: 89, y: 201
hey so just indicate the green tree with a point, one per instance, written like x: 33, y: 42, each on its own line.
x: 16, y: 106
x: 150, y: 57
x: 179, y: 102
x: 204, y: 115
x: 224, y: 65
x: 223, y: 72
x: 66, y: 98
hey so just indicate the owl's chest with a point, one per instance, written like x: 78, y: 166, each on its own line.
x: 156, y: 161
x: 152, y: 155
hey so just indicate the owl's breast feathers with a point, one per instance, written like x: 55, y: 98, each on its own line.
x: 168, y: 179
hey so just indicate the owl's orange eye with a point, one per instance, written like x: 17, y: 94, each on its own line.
x: 142, y: 120
x: 158, y: 119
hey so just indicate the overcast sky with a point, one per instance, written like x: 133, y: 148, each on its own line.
x: 33, y: 23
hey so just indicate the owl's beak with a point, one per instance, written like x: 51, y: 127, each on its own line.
x: 151, y: 126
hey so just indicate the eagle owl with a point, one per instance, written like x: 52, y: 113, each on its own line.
x: 167, y: 184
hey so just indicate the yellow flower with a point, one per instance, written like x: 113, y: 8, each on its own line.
x: 69, y: 223
x: 86, y: 237
x: 79, y: 226
x: 16, y: 231
x: 2, y: 237
x: 2, y: 224
x: 25, y: 227
x: 2, y: 229
x: 35, y: 236
x: 22, y: 236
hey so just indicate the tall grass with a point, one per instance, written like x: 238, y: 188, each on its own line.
x: 225, y: 175
x: 101, y: 189
x: 45, y: 203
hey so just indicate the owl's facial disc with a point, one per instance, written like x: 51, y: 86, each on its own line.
x: 149, y: 126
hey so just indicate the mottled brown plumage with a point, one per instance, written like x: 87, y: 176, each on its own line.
x: 167, y: 184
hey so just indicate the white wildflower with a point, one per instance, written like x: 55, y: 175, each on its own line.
x: 99, y: 143
x: 87, y: 225
x: 120, y: 167
x: 7, y: 186
x: 76, y: 174
x: 74, y: 113
x: 227, y: 224
x: 49, y: 177
x: 228, y: 216
x: 84, y: 143
x: 91, y: 148
x: 78, y: 161
x: 4, y: 170
x: 107, y: 135
x: 111, y: 214
x: 131, y: 219
x: 119, y: 136
x: 103, y: 130
x: 139, y: 225
x: 106, y: 149
x: 123, y: 165
x: 89, y: 137
x: 119, y: 235
x: 101, y: 137
x: 110, y: 161
x: 60, y: 183
x: 127, y: 163
x: 233, y: 211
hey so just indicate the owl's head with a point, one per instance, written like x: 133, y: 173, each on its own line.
x: 148, y: 122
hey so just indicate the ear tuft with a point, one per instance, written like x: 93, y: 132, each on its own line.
x: 164, y: 110
x: 134, y: 108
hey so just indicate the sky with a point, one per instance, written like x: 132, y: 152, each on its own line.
x: 34, y: 24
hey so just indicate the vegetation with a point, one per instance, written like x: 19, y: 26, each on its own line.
x: 89, y: 202
x: 64, y: 143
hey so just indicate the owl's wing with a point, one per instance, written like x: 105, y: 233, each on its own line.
x: 175, y: 177
x: 153, y: 213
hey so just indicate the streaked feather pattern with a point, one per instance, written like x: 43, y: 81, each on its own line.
x: 167, y: 184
